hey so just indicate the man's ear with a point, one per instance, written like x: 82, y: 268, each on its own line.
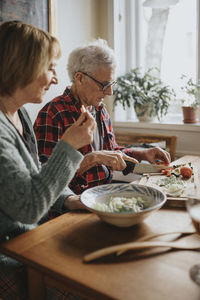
x: 78, y: 77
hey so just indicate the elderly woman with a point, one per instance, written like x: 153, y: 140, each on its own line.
x: 28, y: 58
x: 92, y: 71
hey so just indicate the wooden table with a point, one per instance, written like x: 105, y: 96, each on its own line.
x: 53, y: 253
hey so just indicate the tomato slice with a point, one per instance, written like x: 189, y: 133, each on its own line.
x: 186, y: 172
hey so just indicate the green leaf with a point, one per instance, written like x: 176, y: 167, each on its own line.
x: 142, y: 90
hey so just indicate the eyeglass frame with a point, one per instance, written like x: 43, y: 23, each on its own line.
x: 103, y: 86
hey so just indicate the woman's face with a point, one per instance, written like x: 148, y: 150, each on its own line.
x: 35, y: 91
x: 90, y: 88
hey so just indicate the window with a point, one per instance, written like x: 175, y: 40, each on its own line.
x: 162, y: 34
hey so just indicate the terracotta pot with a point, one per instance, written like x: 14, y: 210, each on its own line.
x: 190, y: 115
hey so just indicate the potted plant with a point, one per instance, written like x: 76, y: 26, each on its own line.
x: 145, y: 92
x: 191, y: 101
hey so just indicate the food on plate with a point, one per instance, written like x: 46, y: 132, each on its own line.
x: 172, y: 185
x: 177, y: 179
x: 117, y: 204
x: 186, y: 172
x: 167, y: 171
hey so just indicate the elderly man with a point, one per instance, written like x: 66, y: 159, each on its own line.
x: 92, y: 72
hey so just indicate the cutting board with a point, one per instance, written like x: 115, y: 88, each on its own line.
x: 192, y: 188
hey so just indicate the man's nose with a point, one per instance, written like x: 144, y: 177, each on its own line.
x: 108, y: 91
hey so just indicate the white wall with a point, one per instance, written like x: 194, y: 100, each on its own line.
x: 78, y: 21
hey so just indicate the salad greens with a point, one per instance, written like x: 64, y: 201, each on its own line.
x: 170, y: 180
x: 117, y: 204
x: 172, y: 185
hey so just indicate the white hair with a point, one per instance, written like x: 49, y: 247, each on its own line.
x: 91, y: 57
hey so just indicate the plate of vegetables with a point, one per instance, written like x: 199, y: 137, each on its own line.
x: 176, y: 180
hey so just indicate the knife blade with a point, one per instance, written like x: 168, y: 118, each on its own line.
x: 142, y: 168
x: 146, y: 168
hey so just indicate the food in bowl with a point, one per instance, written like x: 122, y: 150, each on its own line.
x: 150, y: 198
x: 118, y: 204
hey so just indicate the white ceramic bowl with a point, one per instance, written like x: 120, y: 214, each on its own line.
x: 156, y: 199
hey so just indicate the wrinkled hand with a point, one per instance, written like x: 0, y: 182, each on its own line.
x: 153, y: 155
x: 73, y: 202
x: 81, y: 132
x: 111, y: 159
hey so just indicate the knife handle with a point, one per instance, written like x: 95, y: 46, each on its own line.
x: 129, y: 167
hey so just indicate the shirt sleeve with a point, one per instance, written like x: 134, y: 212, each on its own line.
x: 96, y: 175
x: 24, y: 186
x: 49, y: 130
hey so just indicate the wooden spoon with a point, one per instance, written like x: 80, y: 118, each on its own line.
x: 155, y: 235
x: 191, y: 242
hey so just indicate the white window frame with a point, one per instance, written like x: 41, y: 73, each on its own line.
x: 121, y: 39
x: 125, y: 41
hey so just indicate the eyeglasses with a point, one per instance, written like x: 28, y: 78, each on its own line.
x: 103, y: 86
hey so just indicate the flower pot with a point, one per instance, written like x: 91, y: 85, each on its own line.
x: 144, y: 113
x: 190, y: 115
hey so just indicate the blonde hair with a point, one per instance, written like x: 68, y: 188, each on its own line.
x: 25, y: 52
x: 90, y: 57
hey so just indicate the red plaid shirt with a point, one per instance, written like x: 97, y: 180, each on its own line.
x: 52, y: 121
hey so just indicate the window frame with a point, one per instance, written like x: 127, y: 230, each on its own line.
x: 126, y: 42
x: 187, y: 134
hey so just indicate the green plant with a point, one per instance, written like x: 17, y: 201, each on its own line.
x: 145, y: 91
x: 192, y: 92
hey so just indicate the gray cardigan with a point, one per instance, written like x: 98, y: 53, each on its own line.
x: 26, y: 191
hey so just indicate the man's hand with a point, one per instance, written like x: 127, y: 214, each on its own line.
x: 112, y: 159
x: 153, y: 155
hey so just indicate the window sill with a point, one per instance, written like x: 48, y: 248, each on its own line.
x: 179, y: 126
x: 188, y: 142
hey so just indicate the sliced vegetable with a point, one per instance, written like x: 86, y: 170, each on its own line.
x: 171, y: 185
x: 167, y: 172
x: 186, y: 172
x: 176, y: 172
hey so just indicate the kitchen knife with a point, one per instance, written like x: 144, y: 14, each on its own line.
x: 142, y: 168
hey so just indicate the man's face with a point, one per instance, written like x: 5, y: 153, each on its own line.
x: 94, y: 87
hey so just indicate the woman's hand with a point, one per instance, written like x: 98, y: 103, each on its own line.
x: 73, y: 202
x: 112, y: 159
x: 81, y: 132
